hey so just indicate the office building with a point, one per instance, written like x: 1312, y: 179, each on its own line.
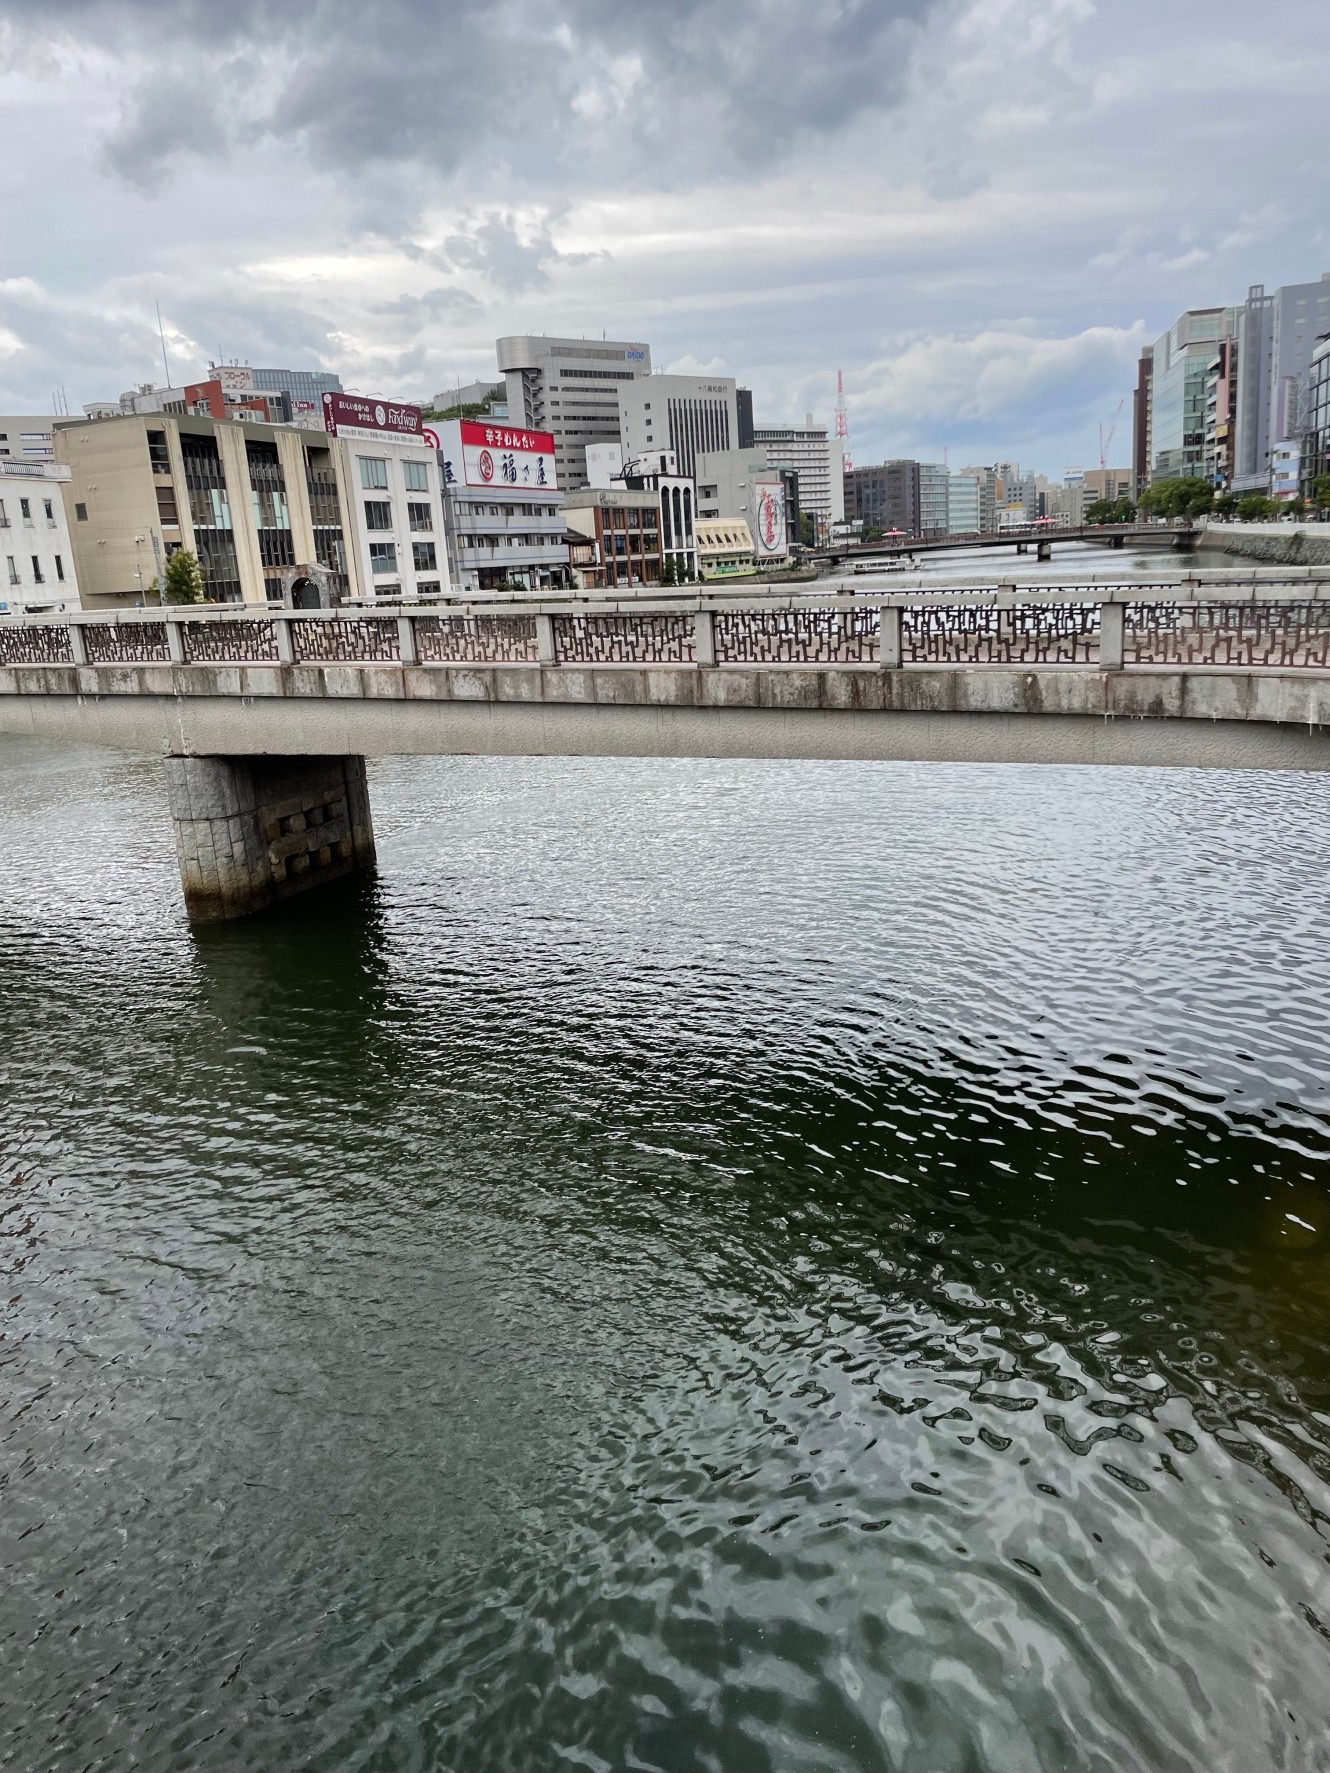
x: 1105, y: 483
x: 988, y: 495
x: 744, y: 486
x: 885, y: 497
x: 1067, y: 503
x: 934, y: 517
x: 300, y: 384
x: 491, y: 395
x: 638, y: 531
x: 27, y: 437
x: 689, y: 416
x: 503, y: 509
x: 1277, y: 335
x: 962, y: 504
x: 39, y: 576
x: 724, y: 547
x: 743, y: 400
x: 1180, y: 367
x: 272, y: 512
x: 1316, y: 429
x: 1221, y: 398
x: 570, y: 387
x: 816, y: 459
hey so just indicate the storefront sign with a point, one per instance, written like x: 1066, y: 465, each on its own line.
x: 476, y: 453
x: 371, y: 421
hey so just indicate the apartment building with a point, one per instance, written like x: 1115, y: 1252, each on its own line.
x: 27, y: 437
x: 39, y: 576
x: 816, y: 458
x: 570, y: 387
x: 884, y: 497
x: 963, y: 504
x: 934, y: 514
x: 1277, y: 334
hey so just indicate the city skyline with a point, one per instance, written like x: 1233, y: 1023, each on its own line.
x: 974, y: 212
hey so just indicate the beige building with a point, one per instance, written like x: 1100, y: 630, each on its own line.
x: 26, y: 437
x: 1107, y: 483
x: 724, y: 545
x: 272, y: 513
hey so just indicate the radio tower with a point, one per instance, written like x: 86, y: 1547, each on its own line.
x: 842, y: 422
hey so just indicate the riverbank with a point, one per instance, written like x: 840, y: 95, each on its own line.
x: 1280, y: 544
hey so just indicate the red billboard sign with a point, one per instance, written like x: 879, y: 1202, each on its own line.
x: 371, y: 421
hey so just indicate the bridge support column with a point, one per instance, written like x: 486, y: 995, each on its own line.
x: 1043, y: 550
x: 1116, y: 541
x: 1022, y: 547
x: 251, y: 831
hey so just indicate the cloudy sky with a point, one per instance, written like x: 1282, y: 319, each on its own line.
x: 977, y: 210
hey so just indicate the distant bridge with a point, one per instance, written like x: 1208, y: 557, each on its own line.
x: 1040, y: 537
x: 266, y: 716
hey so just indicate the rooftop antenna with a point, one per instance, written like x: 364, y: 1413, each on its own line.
x: 161, y: 333
x: 842, y: 422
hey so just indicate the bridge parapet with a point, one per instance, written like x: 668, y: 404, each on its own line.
x: 1185, y: 628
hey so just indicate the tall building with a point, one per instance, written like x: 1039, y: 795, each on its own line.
x: 1316, y: 431
x: 1106, y: 483
x: 743, y: 399
x: 963, y: 505
x: 1221, y: 400
x: 1142, y: 412
x: 570, y: 387
x: 816, y: 459
x: 688, y: 416
x: 502, y: 507
x: 39, y: 578
x: 1181, y: 365
x: 27, y: 438
x: 273, y: 513
x: 1277, y: 335
x: 988, y: 496
x: 744, y: 485
x: 934, y: 511
x: 884, y: 497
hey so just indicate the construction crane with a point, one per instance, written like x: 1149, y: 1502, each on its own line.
x: 1106, y: 442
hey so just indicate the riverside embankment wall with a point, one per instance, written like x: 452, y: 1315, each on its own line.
x: 1279, y: 544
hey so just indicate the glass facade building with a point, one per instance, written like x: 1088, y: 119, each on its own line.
x: 1179, y: 388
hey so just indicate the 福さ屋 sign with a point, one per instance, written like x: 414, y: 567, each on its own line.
x: 371, y: 421
x: 480, y: 454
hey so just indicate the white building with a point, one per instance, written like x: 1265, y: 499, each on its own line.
x: 503, y: 507
x: 817, y: 459
x: 689, y: 416
x: 39, y: 577
x: 963, y: 505
x: 934, y: 509
x: 570, y: 387
x: 27, y: 438
x: 394, y: 495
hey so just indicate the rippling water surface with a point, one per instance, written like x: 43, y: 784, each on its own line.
x: 700, y: 1266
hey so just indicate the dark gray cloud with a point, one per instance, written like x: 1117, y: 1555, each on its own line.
x: 695, y: 86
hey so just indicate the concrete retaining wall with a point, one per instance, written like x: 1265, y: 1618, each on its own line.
x: 1277, y: 544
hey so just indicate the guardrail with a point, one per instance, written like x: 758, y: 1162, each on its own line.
x: 947, y: 629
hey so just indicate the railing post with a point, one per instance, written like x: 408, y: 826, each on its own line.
x: 545, y: 640
x: 175, y: 641
x: 1112, y: 627
x: 78, y: 646
x: 407, y: 651
x: 889, y: 626
x: 704, y: 637
x: 286, y: 652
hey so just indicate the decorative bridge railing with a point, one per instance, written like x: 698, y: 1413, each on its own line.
x: 1258, y: 632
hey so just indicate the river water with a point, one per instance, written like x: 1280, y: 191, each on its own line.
x: 698, y: 1266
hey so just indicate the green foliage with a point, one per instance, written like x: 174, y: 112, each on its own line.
x: 807, y: 529
x: 1256, y: 508
x: 667, y: 577
x: 1225, y: 505
x: 469, y: 409
x: 1296, y: 506
x: 1111, y: 511
x: 870, y: 533
x: 183, y: 579
x: 1321, y: 492
x: 1192, y: 497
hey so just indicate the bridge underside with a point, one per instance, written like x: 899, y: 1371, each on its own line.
x: 266, y: 765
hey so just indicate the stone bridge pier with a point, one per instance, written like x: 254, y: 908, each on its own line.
x: 252, y: 831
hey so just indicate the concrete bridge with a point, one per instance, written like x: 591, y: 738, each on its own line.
x: 1181, y: 536
x: 265, y: 716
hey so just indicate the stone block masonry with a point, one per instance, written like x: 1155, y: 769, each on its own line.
x: 252, y: 831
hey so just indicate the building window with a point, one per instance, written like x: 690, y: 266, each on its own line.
x: 81, y: 513
x: 4, y: 521
x: 13, y: 570
x: 166, y: 505
x: 423, y: 558
x: 378, y: 514
x: 427, y: 588
x: 50, y: 514
x: 59, y: 569
x: 37, y: 570
x: 420, y: 516
x: 25, y: 509
x: 374, y: 473
x: 383, y: 557
x: 417, y: 476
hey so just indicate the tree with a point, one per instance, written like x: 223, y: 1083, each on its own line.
x: 807, y: 529
x: 1225, y: 505
x: 1191, y: 497
x: 1321, y: 492
x: 1256, y: 508
x: 183, y: 579
x: 870, y: 533
x: 1111, y: 511
x: 667, y: 577
x: 1296, y: 506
